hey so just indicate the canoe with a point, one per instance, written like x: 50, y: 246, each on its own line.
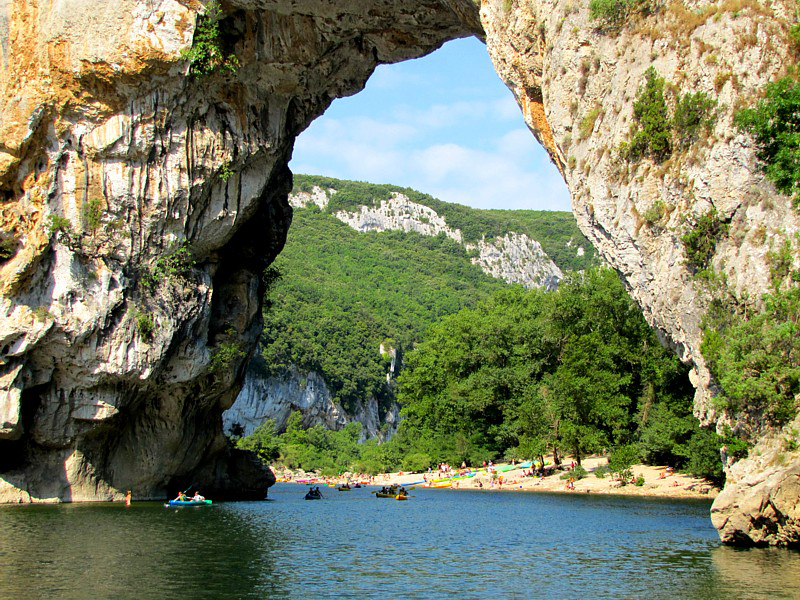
x: 189, y: 502
x: 394, y: 496
x: 440, y: 484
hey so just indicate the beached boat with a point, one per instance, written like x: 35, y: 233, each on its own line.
x: 188, y: 503
x: 439, y: 484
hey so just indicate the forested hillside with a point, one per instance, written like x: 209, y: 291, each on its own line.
x: 340, y: 294
x: 523, y: 374
x: 555, y: 231
x: 489, y: 370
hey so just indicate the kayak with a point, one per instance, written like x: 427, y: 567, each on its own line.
x: 440, y: 484
x: 311, y: 496
x: 344, y: 488
x: 395, y: 496
x: 189, y: 502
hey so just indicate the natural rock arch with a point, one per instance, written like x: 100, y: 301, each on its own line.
x: 119, y: 353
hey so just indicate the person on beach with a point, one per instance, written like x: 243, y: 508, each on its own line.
x: 128, y: 498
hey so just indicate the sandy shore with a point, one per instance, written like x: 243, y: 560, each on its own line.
x: 659, y: 482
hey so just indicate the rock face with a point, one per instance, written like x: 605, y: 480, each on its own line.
x: 759, y: 504
x: 119, y: 352
x: 263, y: 398
x: 514, y: 258
x: 142, y: 203
x: 576, y: 86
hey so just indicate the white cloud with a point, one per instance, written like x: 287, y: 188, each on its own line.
x: 510, y: 172
x: 458, y: 138
x: 489, y: 179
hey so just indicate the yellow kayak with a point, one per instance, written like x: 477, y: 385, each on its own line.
x: 395, y: 496
x: 440, y: 484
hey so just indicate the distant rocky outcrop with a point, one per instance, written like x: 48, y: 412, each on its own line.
x: 275, y: 397
x: 515, y: 257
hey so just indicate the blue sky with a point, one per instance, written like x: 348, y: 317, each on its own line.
x: 443, y: 124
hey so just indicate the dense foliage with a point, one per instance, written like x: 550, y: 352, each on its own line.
x: 501, y: 372
x: 529, y: 372
x: 775, y: 127
x: 342, y: 293
x: 756, y: 360
x: 523, y: 374
x: 555, y: 231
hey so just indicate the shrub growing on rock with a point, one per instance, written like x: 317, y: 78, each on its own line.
x: 651, y: 133
x: 701, y: 241
x: 775, y: 128
x: 693, y: 113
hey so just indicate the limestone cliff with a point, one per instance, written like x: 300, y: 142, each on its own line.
x: 576, y: 84
x: 514, y: 258
x: 142, y: 201
x: 276, y: 397
x: 119, y: 351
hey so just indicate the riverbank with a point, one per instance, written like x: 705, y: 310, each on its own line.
x: 659, y: 481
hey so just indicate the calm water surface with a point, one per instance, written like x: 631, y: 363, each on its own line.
x: 439, y: 543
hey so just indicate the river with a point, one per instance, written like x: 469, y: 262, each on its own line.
x: 351, y: 544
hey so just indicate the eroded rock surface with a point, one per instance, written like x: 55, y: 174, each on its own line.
x: 576, y: 86
x: 276, y: 396
x: 127, y: 320
x: 117, y: 363
x: 514, y: 257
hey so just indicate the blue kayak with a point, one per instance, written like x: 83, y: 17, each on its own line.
x: 189, y: 502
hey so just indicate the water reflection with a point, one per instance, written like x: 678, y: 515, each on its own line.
x: 759, y: 572
x: 82, y: 551
x: 438, y: 543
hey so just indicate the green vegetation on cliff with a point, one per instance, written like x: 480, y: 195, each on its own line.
x: 774, y: 125
x: 755, y: 358
x: 754, y: 355
x: 342, y: 293
x: 521, y: 374
x: 653, y: 133
x: 557, y: 232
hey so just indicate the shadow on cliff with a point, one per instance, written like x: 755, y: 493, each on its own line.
x: 49, y: 481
